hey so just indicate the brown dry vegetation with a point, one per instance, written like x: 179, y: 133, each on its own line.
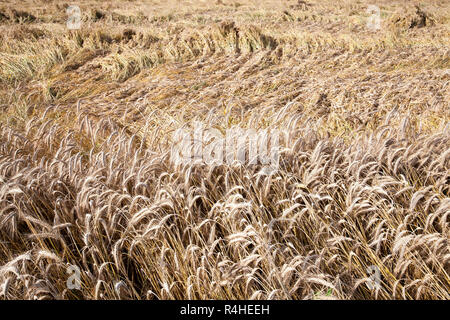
x: 86, y: 121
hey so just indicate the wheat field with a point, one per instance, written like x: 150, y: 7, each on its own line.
x: 87, y: 120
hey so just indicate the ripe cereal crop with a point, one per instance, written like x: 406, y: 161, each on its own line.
x: 351, y: 98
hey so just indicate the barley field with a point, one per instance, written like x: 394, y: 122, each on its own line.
x: 92, y: 205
